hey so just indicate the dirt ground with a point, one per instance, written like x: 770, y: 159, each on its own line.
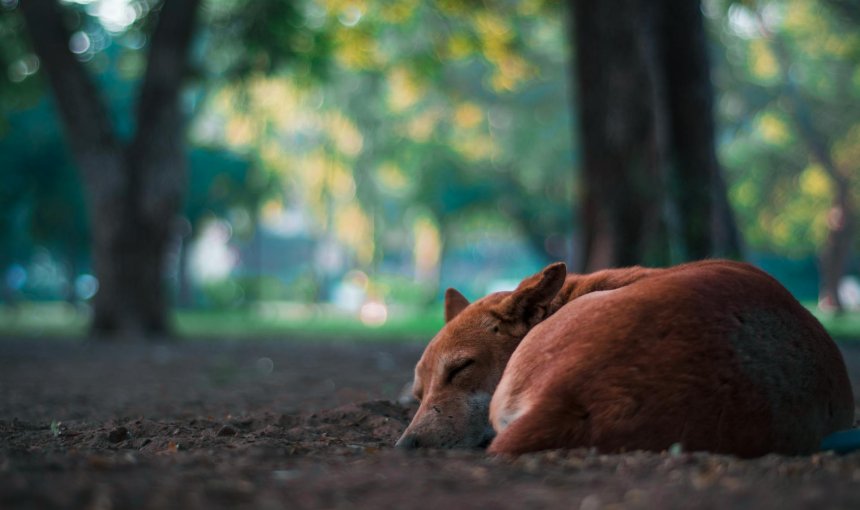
x: 288, y: 424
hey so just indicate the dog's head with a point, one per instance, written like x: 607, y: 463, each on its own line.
x: 461, y: 367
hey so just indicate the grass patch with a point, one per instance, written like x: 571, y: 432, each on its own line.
x: 312, y: 323
x: 290, y: 321
x: 269, y: 321
x: 845, y: 326
x: 42, y: 319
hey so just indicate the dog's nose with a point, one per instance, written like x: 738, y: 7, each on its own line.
x: 407, y: 442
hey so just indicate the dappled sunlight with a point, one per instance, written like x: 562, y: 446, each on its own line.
x: 476, y: 146
x: 355, y: 229
x: 212, y: 257
x: 240, y: 131
x: 763, y: 63
x: 423, y: 125
x: 404, y: 90
x: 459, y: 46
x: 345, y: 136
x: 772, y: 127
x: 814, y: 182
x: 351, y: 293
x: 374, y: 313
x: 86, y: 286
x: 468, y: 115
x: 355, y: 48
x: 23, y: 67
x: 427, y: 249
x: 79, y: 43
x: 798, y: 212
x: 846, y: 151
x: 397, y: 11
x: 392, y: 179
x: 115, y: 15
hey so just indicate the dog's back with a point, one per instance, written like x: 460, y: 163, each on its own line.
x: 713, y: 355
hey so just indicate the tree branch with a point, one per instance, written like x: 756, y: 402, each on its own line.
x: 160, y: 136
x: 86, y: 120
x: 166, y: 67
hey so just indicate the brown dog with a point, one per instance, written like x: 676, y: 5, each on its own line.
x: 714, y: 355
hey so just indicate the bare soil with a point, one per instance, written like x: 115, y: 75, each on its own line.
x: 290, y: 424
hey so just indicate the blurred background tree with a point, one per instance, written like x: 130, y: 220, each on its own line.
x: 654, y: 193
x: 133, y: 186
x: 361, y: 156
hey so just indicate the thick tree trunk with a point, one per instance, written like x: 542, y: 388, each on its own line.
x: 652, y: 188
x: 623, y: 134
x: 130, y: 268
x: 134, y: 191
x: 706, y: 221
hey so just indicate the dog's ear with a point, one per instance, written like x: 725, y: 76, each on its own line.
x: 454, y: 303
x: 529, y: 301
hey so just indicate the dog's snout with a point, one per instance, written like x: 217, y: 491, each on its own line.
x: 408, y: 442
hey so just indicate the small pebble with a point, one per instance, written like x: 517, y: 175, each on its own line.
x: 227, y: 430
x: 590, y: 502
x: 118, y: 434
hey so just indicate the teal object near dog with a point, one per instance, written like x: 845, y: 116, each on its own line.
x: 844, y: 441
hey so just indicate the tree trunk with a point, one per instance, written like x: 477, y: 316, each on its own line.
x: 185, y: 296
x: 623, y: 135
x: 70, y: 268
x: 706, y: 221
x: 133, y: 191
x: 837, y: 248
x: 652, y: 189
x: 130, y: 269
x: 841, y: 218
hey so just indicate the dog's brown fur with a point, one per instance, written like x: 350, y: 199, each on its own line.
x: 714, y: 355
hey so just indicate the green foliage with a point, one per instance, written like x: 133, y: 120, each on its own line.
x: 405, y: 291
x: 223, y: 294
x: 245, y: 37
x: 780, y: 193
x: 218, y: 182
x: 42, y: 198
x: 425, y: 107
x: 383, y: 122
x: 18, y: 88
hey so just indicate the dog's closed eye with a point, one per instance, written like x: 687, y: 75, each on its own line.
x: 458, y: 368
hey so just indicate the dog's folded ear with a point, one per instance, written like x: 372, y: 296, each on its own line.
x: 529, y: 301
x: 454, y: 303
